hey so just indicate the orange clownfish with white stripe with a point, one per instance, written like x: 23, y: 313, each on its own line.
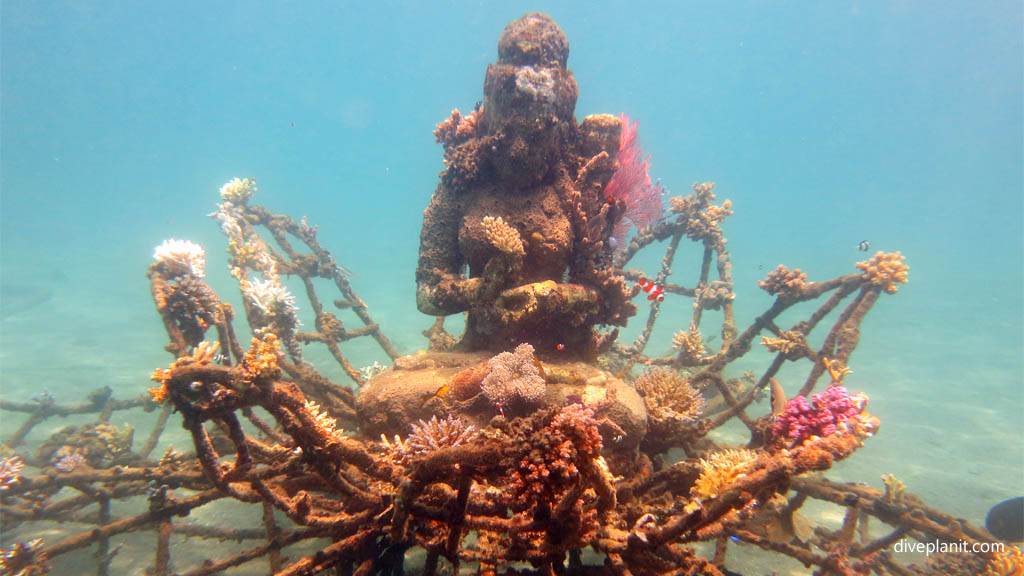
x: 654, y: 291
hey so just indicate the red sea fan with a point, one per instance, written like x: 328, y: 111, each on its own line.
x: 631, y: 184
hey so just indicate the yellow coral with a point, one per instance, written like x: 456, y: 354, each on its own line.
x: 893, y: 489
x: 324, y: 423
x: 204, y: 353
x: 886, y: 270
x: 721, y: 469
x: 669, y: 397
x: 783, y: 280
x: 790, y: 340
x: 690, y: 345
x: 1006, y: 562
x: 836, y: 369
x: 260, y: 361
x: 502, y: 236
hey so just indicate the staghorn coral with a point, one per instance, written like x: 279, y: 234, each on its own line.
x: 690, y: 345
x: 372, y: 371
x: 703, y: 219
x: 831, y: 411
x: 885, y: 270
x: 720, y: 469
x: 783, y: 281
x: 181, y: 258
x: 10, y: 472
x: 1006, y: 562
x: 836, y: 369
x: 715, y: 295
x: 238, y: 191
x: 670, y: 400
x: 428, y: 436
x: 326, y: 425
x: 790, y: 343
x: 503, y: 237
x: 24, y: 559
x: 260, y: 361
x: 893, y: 489
x: 276, y: 305
x: 202, y: 354
x: 514, y: 378
x: 68, y: 459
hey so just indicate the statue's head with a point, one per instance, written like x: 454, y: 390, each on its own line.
x: 529, y: 98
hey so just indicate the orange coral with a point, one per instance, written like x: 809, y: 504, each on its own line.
x: 782, y: 280
x: 669, y: 398
x: 690, y: 345
x: 1006, y: 562
x: 721, y: 469
x: 260, y: 361
x: 457, y: 128
x: 788, y: 341
x: 836, y: 369
x: 503, y: 237
x: 203, y: 353
x: 886, y: 270
x: 158, y: 393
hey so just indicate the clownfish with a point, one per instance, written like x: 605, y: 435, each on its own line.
x: 654, y: 291
x: 560, y: 347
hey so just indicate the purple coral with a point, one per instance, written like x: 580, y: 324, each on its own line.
x: 831, y: 410
x: 631, y: 183
x: 513, y: 377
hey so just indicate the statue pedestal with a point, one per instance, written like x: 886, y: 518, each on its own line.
x: 441, y: 383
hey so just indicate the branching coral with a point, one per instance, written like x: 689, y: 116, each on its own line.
x: 503, y: 237
x: 327, y: 426
x: 702, y: 218
x: 886, y: 270
x: 181, y: 258
x: 690, y: 345
x: 1006, y: 562
x: 10, y: 472
x: 783, y: 281
x: 558, y: 453
x: 670, y: 400
x: 430, y: 435
x: 720, y: 469
x: 260, y: 361
x: 238, y: 191
x: 457, y: 128
x: 790, y: 343
x: 514, y: 378
x: 24, y: 559
x: 833, y: 410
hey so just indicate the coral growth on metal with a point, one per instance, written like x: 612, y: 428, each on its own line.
x: 550, y: 489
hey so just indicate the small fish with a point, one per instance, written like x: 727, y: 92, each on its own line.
x: 655, y: 291
x: 778, y: 397
x: 864, y: 245
x: 560, y: 347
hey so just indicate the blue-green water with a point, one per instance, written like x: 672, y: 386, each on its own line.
x: 824, y: 123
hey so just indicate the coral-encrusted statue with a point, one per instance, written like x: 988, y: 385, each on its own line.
x: 521, y: 204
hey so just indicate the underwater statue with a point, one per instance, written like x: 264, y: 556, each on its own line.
x: 517, y: 236
x: 517, y: 233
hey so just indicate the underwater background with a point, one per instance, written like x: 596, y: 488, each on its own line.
x: 825, y: 124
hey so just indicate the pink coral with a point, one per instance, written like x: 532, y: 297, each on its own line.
x: 557, y: 451
x: 832, y: 410
x: 631, y: 183
x: 514, y: 378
